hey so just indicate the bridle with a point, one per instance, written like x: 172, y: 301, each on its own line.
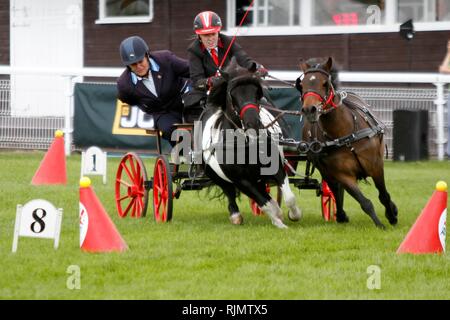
x: 246, y: 106
x: 326, y: 102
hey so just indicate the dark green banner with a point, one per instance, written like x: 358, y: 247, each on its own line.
x: 288, y: 99
x: 102, y: 120
x: 98, y: 118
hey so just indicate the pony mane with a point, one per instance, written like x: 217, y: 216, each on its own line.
x: 218, y: 93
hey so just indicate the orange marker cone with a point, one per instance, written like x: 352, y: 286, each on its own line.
x: 427, y: 235
x: 97, y: 232
x: 52, y: 169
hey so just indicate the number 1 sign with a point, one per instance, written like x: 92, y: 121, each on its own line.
x: 37, y: 219
x: 93, y: 162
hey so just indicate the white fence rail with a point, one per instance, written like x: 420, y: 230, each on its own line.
x: 18, y: 133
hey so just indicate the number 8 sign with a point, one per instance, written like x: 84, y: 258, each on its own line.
x: 37, y: 219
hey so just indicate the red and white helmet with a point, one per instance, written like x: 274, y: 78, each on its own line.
x: 207, y: 22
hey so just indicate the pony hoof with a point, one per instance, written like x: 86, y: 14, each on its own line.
x: 295, y: 215
x: 280, y: 216
x: 279, y: 224
x: 279, y: 213
x: 342, y: 219
x: 381, y: 226
x: 236, y: 218
x: 393, y: 222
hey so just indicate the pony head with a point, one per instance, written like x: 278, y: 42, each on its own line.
x: 238, y: 93
x: 317, y: 87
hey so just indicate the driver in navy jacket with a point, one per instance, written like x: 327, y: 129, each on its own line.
x: 154, y: 82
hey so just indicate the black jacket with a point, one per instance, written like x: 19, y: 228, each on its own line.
x: 202, y: 66
x: 169, y: 74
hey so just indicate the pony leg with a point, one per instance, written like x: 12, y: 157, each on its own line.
x: 230, y: 191
x: 264, y: 201
x: 294, y: 213
x: 385, y: 198
x: 262, y: 188
x: 273, y: 210
x: 366, y: 205
x: 233, y: 209
x: 338, y: 192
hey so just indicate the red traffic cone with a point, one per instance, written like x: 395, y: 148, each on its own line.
x: 52, y: 169
x: 97, y: 232
x: 427, y: 235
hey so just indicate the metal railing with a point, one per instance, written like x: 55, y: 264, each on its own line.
x: 5, y: 98
x: 384, y: 101
x: 38, y: 132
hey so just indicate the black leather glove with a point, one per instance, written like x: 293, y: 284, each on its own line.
x: 201, y: 84
x: 212, y: 81
x: 206, y: 84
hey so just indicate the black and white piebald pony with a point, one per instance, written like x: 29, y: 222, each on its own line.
x: 234, y: 106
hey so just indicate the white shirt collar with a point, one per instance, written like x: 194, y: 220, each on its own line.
x: 153, y: 67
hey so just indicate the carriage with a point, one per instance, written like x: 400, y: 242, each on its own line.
x: 342, y: 139
x: 171, y: 177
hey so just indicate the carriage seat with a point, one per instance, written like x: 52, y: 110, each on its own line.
x: 182, y: 126
x: 185, y: 125
x: 152, y: 132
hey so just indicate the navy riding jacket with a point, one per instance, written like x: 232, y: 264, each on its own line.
x: 170, y: 75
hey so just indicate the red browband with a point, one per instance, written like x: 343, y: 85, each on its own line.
x: 246, y: 107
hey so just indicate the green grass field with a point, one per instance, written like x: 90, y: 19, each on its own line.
x: 200, y: 255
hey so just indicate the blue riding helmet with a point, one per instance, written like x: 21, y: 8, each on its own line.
x: 133, y: 49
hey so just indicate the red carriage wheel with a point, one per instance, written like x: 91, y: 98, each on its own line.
x: 162, y: 190
x: 256, y: 210
x: 328, y: 203
x: 131, y: 195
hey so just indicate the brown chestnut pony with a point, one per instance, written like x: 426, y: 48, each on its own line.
x: 347, y: 139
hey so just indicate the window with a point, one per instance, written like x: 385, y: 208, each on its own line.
x: 294, y: 17
x: 347, y: 12
x: 125, y: 11
x: 424, y: 10
x: 269, y: 12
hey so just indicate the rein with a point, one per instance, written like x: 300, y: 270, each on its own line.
x: 234, y: 37
x: 282, y: 81
x: 280, y: 114
x: 231, y: 120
